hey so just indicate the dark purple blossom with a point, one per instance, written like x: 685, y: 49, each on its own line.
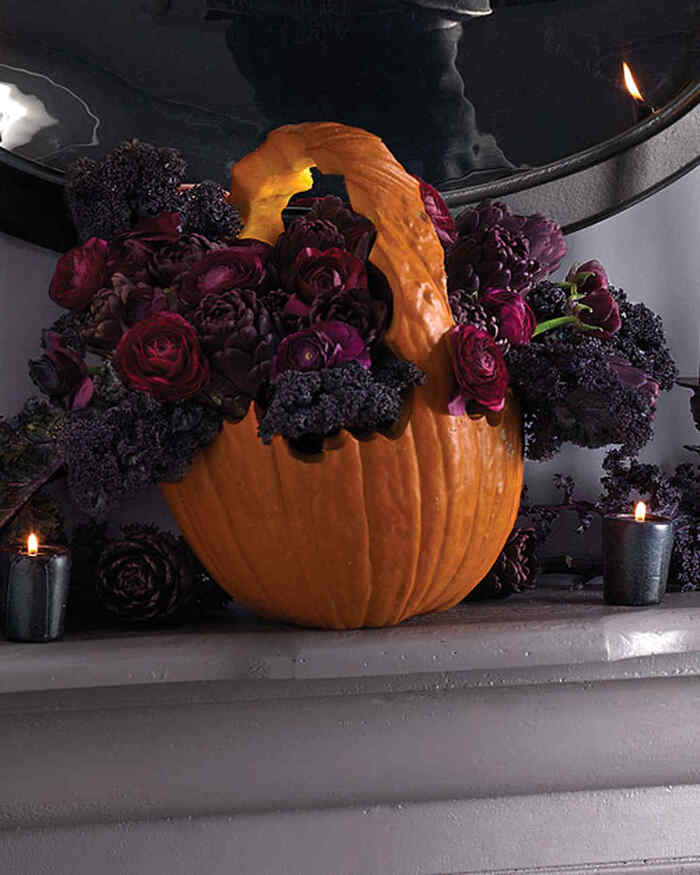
x: 325, y: 345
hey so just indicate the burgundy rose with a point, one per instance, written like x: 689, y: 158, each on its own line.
x: 479, y: 368
x: 79, y: 274
x: 358, y: 232
x: 304, y: 233
x: 243, y: 266
x: 516, y: 321
x: 161, y: 355
x: 173, y: 258
x: 600, y: 311
x: 439, y: 215
x: 330, y: 270
x: 369, y: 316
x: 61, y: 373
x: 588, y: 277
x: 130, y: 252
x: 325, y: 345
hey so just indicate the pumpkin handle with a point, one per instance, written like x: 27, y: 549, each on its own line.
x: 407, y: 249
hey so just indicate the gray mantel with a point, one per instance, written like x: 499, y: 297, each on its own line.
x: 548, y: 732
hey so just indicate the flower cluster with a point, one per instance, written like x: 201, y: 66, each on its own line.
x: 585, y: 364
x: 193, y: 325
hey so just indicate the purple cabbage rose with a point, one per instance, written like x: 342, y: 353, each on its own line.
x: 321, y: 346
x: 130, y: 252
x: 516, y: 321
x: 79, y: 274
x: 317, y: 271
x: 243, y: 266
x: 62, y: 373
x: 303, y: 233
x: 479, y: 368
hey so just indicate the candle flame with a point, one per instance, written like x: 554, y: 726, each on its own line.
x: 32, y: 544
x: 640, y: 511
x: 630, y: 84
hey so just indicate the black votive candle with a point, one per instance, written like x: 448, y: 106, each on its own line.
x: 636, y: 556
x: 34, y: 592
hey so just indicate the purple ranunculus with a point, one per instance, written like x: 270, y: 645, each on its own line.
x: 61, y: 373
x: 243, y: 266
x: 437, y: 212
x: 79, y: 274
x: 588, y: 277
x: 303, y: 233
x: 330, y: 270
x: 130, y: 252
x: 173, y: 258
x: 324, y: 345
x: 479, y: 368
x: 516, y: 321
x: 359, y: 233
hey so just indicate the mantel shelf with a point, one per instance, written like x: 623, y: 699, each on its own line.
x: 557, y: 629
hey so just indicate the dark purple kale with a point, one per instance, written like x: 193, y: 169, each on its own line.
x: 135, y: 179
x: 641, y: 340
x: 113, y: 453
x: 548, y: 300
x: 316, y: 404
x: 205, y: 210
x: 570, y: 391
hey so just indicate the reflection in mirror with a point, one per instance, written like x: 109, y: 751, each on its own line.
x: 461, y: 96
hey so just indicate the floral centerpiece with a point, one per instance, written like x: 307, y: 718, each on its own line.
x: 180, y: 321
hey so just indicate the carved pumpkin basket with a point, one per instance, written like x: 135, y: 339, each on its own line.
x: 377, y: 530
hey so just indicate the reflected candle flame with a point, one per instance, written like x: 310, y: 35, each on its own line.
x: 640, y: 512
x: 630, y: 83
x: 32, y: 544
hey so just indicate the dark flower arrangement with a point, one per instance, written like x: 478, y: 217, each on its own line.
x: 175, y: 324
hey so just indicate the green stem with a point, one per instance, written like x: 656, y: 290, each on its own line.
x: 554, y: 323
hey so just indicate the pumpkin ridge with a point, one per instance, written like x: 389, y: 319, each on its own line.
x: 368, y: 576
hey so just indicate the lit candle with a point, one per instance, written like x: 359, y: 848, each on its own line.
x: 35, y: 585
x: 636, y: 555
x: 642, y: 109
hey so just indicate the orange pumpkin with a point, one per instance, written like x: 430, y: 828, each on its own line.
x: 377, y: 530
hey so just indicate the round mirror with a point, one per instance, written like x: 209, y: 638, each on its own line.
x: 507, y: 98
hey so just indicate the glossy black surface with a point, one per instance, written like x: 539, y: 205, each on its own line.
x: 457, y: 95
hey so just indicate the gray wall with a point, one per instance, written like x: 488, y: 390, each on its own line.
x: 651, y: 250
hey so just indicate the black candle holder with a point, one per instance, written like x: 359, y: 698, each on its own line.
x: 636, y: 558
x: 34, y: 593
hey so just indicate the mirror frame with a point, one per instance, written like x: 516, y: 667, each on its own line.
x: 575, y: 191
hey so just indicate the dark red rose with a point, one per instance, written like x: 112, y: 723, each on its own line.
x: 516, y: 321
x: 437, y: 211
x: 358, y: 232
x: 303, y: 233
x: 588, y: 277
x: 161, y: 355
x: 600, y: 310
x: 172, y: 259
x: 79, y: 274
x: 479, y: 368
x: 325, y: 345
x: 369, y: 316
x: 169, y: 224
x: 330, y: 270
x: 243, y: 266
x: 130, y: 252
x: 61, y: 373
